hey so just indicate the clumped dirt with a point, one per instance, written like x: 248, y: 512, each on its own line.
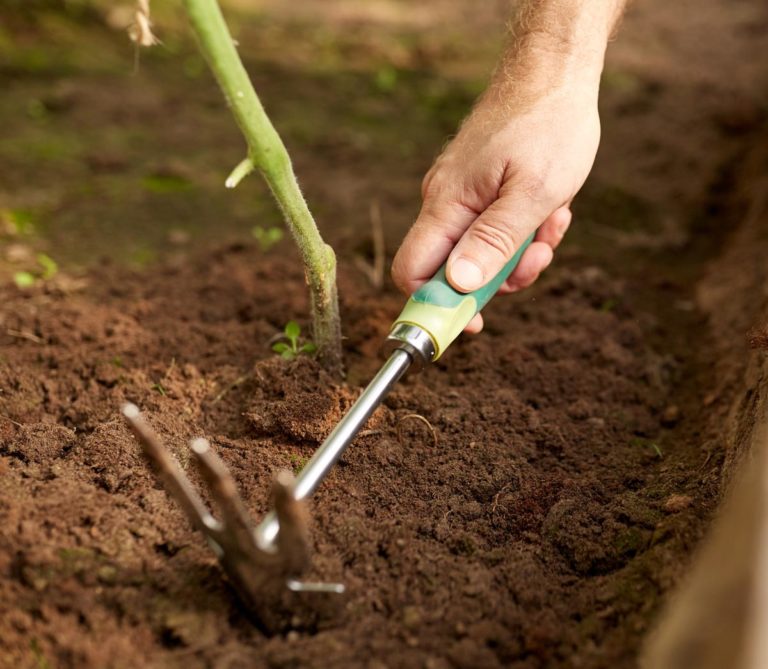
x: 758, y: 337
x: 527, y: 517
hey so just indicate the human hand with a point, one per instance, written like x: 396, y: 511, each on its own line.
x: 513, y: 168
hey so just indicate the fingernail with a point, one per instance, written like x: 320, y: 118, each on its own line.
x: 466, y: 275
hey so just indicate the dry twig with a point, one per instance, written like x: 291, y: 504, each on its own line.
x: 140, y: 30
x: 23, y: 334
x: 375, y: 270
x: 238, y: 381
x: 10, y: 420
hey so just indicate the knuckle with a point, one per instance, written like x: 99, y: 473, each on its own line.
x: 427, y: 181
x: 535, y: 187
x: 497, y: 237
x: 433, y: 187
x: 441, y: 181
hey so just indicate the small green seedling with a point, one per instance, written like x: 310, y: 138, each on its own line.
x: 297, y: 462
x: 17, y: 222
x: 48, y: 269
x: 24, y: 279
x: 640, y: 442
x: 49, y: 265
x: 267, y: 237
x: 386, y: 79
x: 162, y: 184
x: 290, y: 348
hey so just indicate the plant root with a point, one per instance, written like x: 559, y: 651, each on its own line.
x: 419, y: 417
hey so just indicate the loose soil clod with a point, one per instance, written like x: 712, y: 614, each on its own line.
x: 758, y: 337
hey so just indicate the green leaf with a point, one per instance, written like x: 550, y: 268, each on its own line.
x: 267, y: 237
x: 49, y: 265
x: 386, y: 78
x: 292, y: 330
x: 281, y: 347
x: 309, y: 347
x: 143, y: 256
x: 37, y: 110
x: 166, y: 183
x: 288, y: 355
x: 24, y: 279
x: 19, y: 221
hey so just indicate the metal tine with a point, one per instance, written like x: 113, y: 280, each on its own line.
x: 237, y: 523
x: 293, y: 538
x: 173, y: 478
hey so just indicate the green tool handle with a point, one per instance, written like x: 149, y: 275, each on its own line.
x: 443, y: 312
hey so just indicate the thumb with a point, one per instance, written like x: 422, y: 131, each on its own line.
x: 440, y: 224
x: 491, y: 241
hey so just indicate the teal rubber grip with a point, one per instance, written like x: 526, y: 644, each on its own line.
x: 443, y: 312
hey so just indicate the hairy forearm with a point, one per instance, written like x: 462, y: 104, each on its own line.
x: 520, y: 157
x: 571, y: 23
x: 551, y: 41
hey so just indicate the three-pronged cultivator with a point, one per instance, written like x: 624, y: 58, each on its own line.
x: 270, y: 558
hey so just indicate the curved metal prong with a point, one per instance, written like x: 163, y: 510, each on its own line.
x: 312, y: 586
x: 237, y: 524
x: 170, y: 474
x: 293, y: 537
x: 259, y: 575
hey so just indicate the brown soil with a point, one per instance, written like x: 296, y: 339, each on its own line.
x: 571, y: 455
x: 535, y: 530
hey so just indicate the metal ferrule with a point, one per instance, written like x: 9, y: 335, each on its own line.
x: 413, y: 340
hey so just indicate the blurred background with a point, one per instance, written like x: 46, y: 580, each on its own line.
x: 106, y: 151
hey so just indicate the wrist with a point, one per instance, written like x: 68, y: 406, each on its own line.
x: 556, y: 42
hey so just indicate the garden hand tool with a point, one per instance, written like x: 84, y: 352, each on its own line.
x: 231, y: 537
x: 277, y: 550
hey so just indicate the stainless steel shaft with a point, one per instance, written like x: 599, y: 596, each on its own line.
x: 337, y: 441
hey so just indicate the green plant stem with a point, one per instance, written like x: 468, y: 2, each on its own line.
x: 268, y: 154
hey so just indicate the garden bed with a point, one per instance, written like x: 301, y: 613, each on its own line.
x: 528, y: 501
x: 537, y: 518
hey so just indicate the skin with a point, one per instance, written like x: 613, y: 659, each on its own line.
x: 519, y: 158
